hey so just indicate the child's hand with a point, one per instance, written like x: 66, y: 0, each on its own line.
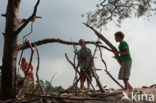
x: 114, y: 57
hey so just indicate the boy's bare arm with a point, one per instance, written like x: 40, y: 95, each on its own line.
x: 125, y: 52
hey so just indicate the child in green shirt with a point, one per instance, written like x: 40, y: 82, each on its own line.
x: 126, y: 60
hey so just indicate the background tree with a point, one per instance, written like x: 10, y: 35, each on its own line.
x: 118, y: 10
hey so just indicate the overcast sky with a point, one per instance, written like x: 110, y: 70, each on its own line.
x: 62, y: 19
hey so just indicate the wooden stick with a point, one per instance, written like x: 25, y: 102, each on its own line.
x: 37, y: 70
x: 114, y: 79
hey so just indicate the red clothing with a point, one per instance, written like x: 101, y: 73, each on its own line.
x: 30, y: 69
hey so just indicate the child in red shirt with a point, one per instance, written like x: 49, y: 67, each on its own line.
x: 30, y: 75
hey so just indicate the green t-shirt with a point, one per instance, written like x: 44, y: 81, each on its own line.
x: 121, y: 47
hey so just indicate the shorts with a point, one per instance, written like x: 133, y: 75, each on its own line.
x: 87, y: 75
x: 124, y: 72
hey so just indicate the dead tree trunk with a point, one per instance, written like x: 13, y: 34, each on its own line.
x: 8, y: 89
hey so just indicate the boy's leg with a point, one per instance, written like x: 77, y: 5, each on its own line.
x: 82, y: 80
x: 88, y: 84
x: 127, y: 84
x: 89, y: 79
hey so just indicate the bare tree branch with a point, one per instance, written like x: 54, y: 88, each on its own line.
x: 29, y: 19
x: 29, y: 32
x: 3, y: 15
x: 21, y: 21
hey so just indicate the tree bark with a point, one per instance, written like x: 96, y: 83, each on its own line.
x: 10, y: 51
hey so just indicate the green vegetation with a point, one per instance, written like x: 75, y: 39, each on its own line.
x: 47, y: 86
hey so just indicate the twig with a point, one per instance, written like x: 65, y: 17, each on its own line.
x: 102, y: 3
x: 29, y: 32
x: 51, y: 81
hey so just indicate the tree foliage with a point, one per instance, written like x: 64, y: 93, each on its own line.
x: 118, y: 10
x: 47, y: 86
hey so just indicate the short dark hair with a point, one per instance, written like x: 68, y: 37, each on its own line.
x: 120, y: 34
x: 82, y: 42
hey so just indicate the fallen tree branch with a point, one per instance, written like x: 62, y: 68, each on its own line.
x: 37, y: 70
x: 114, y: 79
x: 106, y: 41
x: 76, y: 69
x: 107, y: 70
x: 75, y: 98
x: 56, y: 40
